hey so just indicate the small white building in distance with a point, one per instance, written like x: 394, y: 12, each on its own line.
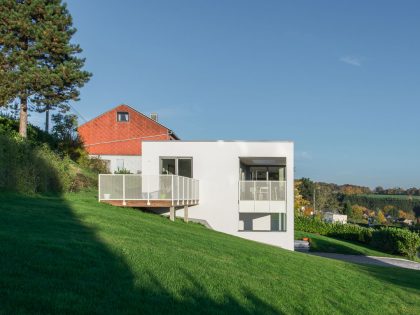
x: 332, y: 217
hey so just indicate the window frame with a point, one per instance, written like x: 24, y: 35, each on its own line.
x: 123, y: 121
x: 176, y: 158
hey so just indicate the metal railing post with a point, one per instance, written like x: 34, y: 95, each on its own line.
x: 193, y: 190
x: 148, y: 190
x: 188, y: 190
x: 99, y: 187
x: 172, y: 189
x: 177, y: 199
x: 183, y: 190
x: 124, y: 203
x: 255, y: 193
x: 269, y: 195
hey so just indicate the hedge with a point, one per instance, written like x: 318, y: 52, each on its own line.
x: 396, y: 241
x: 391, y: 240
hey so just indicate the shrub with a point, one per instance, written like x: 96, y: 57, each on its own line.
x: 34, y: 168
x: 396, y: 241
x: 391, y: 240
x: 10, y: 126
x: 351, y: 232
x: 122, y: 171
x: 95, y: 164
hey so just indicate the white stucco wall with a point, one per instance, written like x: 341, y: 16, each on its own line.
x: 130, y: 162
x: 216, y: 166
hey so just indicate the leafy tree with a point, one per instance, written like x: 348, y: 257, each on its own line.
x: 307, y: 189
x: 326, y: 197
x: 380, y: 217
x: 358, y: 211
x: 402, y: 214
x: 348, y: 209
x: 379, y: 190
x: 65, y: 127
x: 39, y: 67
x: 65, y: 130
x: 354, y: 190
x: 390, y: 210
x: 300, y: 202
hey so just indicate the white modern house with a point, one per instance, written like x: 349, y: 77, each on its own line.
x: 243, y: 188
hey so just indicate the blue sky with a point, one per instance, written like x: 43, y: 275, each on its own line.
x: 339, y: 78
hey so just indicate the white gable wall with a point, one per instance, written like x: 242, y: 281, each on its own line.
x: 216, y: 166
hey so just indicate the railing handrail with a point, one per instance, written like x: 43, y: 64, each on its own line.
x: 268, y: 185
x: 148, y: 187
x: 263, y: 181
x: 104, y: 174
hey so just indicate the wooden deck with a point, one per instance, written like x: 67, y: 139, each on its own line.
x: 152, y: 203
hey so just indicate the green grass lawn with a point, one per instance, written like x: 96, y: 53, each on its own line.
x: 320, y: 243
x: 72, y: 255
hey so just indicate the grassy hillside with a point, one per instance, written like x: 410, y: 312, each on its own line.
x: 400, y: 197
x: 373, y: 201
x: 73, y: 255
x: 320, y: 243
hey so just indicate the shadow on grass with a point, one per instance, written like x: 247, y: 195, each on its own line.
x: 50, y: 262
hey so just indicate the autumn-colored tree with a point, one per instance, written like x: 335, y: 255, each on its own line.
x: 300, y: 202
x: 309, y: 211
x: 380, y: 217
x: 358, y: 211
x: 354, y: 190
x: 391, y: 210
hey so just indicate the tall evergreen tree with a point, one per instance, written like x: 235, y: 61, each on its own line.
x: 39, y: 66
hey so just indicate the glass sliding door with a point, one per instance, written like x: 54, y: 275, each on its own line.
x: 185, y: 167
x: 168, y: 166
x: 181, y: 166
x: 268, y: 172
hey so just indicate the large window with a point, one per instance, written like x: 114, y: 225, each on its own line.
x: 265, y: 172
x: 181, y: 166
x: 122, y: 116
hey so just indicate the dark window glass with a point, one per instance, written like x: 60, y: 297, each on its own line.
x: 185, y: 167
x: 122, y: 116
x: 168, y: 167
x: 176, y: 166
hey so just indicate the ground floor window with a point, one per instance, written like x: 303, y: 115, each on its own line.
x: 120, y: 164
x: 263, y: 222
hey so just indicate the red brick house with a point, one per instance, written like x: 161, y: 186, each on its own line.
x: 117, y: 135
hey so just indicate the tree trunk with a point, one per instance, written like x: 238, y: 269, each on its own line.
x: 47, y: 119
x: 23, y: 123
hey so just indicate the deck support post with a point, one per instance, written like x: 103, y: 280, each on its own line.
x: 172, y: 213
x: 186, y: 214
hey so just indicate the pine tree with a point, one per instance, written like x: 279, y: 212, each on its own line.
x: 39, y: 67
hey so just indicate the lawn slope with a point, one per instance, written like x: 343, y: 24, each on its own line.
x: 73, y: 255
x: 320, y: 243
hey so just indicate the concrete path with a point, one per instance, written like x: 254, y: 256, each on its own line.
x: 371, y: 260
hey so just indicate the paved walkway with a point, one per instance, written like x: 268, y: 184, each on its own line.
x: 371, y: 260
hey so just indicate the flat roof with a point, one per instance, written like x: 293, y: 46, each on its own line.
x: 278, y: 141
